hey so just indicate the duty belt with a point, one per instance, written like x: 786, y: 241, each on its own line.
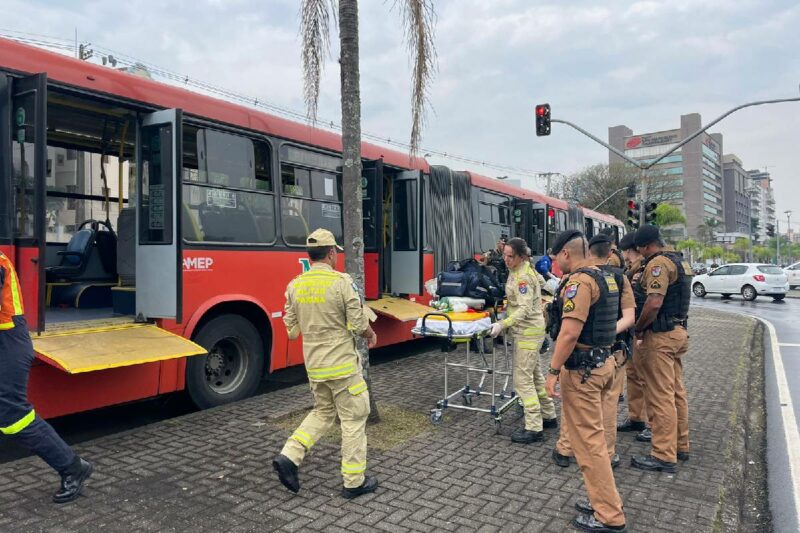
x: 586, y: 360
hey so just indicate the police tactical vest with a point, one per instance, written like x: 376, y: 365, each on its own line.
x: 639, y: 292
x: 600, y: 329
x: 675, y: 309
x: 618, y: 277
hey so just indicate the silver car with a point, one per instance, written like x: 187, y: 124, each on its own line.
x: 793, y: 273
x: 748, y: 279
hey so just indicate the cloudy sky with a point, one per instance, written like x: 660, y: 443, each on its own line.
x: 598, y: 63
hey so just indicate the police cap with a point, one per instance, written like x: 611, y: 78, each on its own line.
x: 626, y: 242
x: 322, y: 237
x: 645, y: 235
x: 600, y: 238
x: 563, y: 239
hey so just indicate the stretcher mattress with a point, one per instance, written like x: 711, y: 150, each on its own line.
x: 439, y: 326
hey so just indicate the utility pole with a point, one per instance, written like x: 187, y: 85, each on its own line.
x: 778, y: 240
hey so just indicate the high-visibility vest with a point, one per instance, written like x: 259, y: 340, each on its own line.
x: 10, y: 294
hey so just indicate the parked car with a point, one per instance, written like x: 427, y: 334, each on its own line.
x: 793, y: 274
x: 699, y: 268
x: 748, y: 279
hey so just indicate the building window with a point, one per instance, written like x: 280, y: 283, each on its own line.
x: 711, y: 198
x: 650, y: 151
x: 712, y: 210
x: 711, y: 154
x: 669, y: 159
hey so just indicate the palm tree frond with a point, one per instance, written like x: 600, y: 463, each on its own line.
x: 315, y: 18
x: 419, y: 19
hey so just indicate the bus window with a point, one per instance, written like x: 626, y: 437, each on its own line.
x: 226, y: 189
x: 538, y: 232
x: 405, y: 227
x: 494, y: 219
x: 90, y: 151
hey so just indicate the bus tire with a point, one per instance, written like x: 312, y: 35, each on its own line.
x: 233, y: 367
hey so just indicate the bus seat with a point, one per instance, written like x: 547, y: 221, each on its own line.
x: 81, y: 260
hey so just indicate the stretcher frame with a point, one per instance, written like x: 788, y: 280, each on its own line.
x: 500, y: 401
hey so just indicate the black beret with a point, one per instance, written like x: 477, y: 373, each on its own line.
x: 646, y: 234
x: 564, y: 238
x: 626, y: 242
x: 600, y: 238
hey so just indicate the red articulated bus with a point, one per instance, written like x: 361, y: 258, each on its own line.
x: 155, y: 230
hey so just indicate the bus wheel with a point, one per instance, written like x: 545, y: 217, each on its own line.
x: 233, y: 367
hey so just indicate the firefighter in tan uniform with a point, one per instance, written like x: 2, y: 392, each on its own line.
x: 324, y: 306
x: 584, y: 325
x: 667, y: 282
x: 526, y: 323
x: 599, y: 253
x: 637, y: 413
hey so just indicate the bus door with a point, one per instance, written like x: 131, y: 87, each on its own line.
x: 372, y: 206
x: 159, y: 254
x: 407, y: 233
x: 521, y: 218
x: 23, y: 174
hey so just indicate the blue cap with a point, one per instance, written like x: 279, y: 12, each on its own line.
x: 543, y: 265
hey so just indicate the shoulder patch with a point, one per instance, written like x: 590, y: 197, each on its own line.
x: 655, y: 271
x: 655, y: 284
x: 523, y: 287
x: 569, y: 306
x: 571, y: 290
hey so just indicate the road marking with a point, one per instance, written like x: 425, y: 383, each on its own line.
x: 790, y: 431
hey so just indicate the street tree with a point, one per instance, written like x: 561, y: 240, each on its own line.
x: 714, y: 253
x: 595, y: 184
x: 668, y: 215
x: 418, y: 18
x: 690, y: 247
x: 741, y: 246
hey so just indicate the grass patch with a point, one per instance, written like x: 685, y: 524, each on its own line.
x: 397, y: 426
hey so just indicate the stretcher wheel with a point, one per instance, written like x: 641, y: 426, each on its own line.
x: 498, y: 425
x: 436, y: 417
x: 466, y: 398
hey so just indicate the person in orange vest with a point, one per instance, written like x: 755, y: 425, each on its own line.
x: 18, y: 419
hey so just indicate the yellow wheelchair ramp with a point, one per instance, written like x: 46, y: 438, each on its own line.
x: 111, y: 346
x: 399, y: 308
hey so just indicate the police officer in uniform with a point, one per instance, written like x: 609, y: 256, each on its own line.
x: 615, y: 258
x: 637, y: 413
x: 584, y: 325
x: 324, y: 306
x: 666, y: 281
x: 600, y: 252
x: 526, y: 323
x: 18, y: 419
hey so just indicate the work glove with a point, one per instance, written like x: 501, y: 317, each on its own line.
x: 497, y: 329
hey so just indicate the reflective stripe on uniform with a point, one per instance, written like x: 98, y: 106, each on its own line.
x: 533, y: 401
x: 529, y: 332
x: 332, y: 371
x: 15, y: 297
x: 354, y: 468
x: 6, y: 325
x: 303, y: 438
x: 358, y: 388
x: 530, y: 344
x: 20, y: 424
x: 542, y: 393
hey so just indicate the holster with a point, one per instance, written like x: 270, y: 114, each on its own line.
x: 587, y: 359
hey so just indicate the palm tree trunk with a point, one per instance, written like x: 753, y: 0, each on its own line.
x: 351, y: 173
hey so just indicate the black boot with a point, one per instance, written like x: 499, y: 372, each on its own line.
x: 587, y: 522
x: 631, y: 425
x: 615, y: 460
x: 653, y: 464
x: 683, y: 456
x: 369, y: 485
x: 645, y: 436
x: 287, y: 473
x: 72, y: 481
x: 584, y: 506
x: 561, y: 460
x: 524, y: 436
x: 550, y: 423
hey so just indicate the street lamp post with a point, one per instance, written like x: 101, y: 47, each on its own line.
x: 788, y: 214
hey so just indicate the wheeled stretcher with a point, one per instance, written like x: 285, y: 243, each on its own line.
x: 485, y: 375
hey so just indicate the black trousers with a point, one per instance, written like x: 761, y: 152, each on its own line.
x: 17, y: 417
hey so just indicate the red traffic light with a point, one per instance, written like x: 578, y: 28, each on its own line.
x: 632, y: 204
x: 551, y: 213
x: 540, y: 110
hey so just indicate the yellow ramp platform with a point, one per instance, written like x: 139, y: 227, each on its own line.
x: 111, y: 345
x: 399, y: 308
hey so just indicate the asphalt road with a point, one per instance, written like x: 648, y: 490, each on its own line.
x: 782, y: 392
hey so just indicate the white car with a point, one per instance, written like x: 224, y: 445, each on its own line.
x: 747, y: 279
x: 793, y: 273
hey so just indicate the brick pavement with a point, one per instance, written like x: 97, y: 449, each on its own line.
x: 210, y: 471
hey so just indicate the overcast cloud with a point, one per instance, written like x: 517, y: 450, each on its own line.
x: 598, y: 63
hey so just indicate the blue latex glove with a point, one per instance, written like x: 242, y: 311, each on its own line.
x: 543, y: 265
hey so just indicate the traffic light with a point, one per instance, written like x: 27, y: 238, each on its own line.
x: 770, y: 230
x: 650, y: 213
x: 633, y: 214
x: 542, y: 120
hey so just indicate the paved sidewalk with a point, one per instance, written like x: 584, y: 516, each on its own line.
x: 210, y: 471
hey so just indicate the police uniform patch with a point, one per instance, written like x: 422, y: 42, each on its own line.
x: 655, y: 284
x: 569, y: 306
x: 655, y: 271
x: 571, y: 290
x: 523, y: 287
